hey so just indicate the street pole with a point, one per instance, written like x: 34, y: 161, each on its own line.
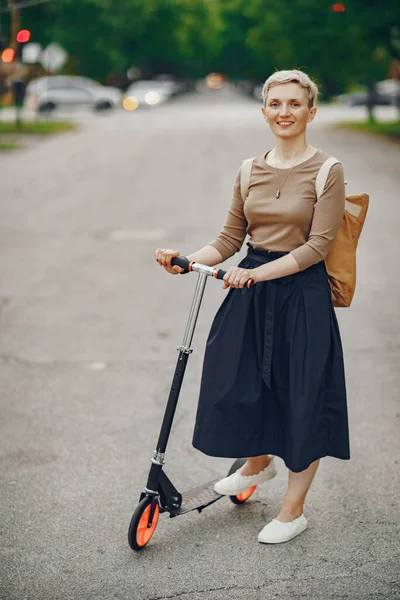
x: 15, y: 27
x: 15, y: 20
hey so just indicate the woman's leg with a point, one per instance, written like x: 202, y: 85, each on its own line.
x: 298, y: 486
x: 255, y: 464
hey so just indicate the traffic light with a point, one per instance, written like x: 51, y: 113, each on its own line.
x: 8, y: 54
x: 338, y: 7
x: 23, y: 36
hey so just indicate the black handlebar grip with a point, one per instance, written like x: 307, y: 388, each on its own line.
x: 181, y: 261
x: 219, y: 274
x: 184, y: 263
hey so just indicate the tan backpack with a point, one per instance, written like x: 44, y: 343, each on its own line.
x: 341, y: 259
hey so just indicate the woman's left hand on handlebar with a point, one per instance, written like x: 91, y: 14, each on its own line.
x: 237, y: 278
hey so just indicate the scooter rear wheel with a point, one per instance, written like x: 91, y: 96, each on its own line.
x: 139, y: 533
x: 243, y: 496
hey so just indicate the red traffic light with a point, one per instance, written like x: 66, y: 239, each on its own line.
x: 338, y: 7
x: 23, y: 36
x: 7, y: 55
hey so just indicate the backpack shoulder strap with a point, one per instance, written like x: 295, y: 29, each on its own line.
x: 322, y: 175
x: 245, y: 172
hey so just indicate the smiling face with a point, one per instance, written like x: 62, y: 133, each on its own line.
x: 287, y: 111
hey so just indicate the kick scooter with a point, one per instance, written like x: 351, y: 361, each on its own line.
x: 160, y: 495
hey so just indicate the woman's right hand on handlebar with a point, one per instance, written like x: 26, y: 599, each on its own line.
x: 164, y: 256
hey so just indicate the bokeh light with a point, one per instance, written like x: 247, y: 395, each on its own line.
x: 130, y: 103
x: 8, y: 55
x: 152, y: 98
x: 215, y: 81
x: 338, y: 7
x: 23, y: 35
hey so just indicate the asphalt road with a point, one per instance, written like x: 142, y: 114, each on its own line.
x: 89, y: 326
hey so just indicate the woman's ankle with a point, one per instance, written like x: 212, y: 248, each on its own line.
x: 290, y: 512
x: 255, y: 464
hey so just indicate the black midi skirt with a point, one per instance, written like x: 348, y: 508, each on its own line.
x: 273, y: 378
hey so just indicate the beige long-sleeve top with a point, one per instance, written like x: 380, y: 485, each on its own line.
x: 295, y: 222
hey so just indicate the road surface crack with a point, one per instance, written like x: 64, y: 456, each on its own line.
x: 225, y: 588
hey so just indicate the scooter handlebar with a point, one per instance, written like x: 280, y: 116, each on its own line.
x: 181, y: 261
x: 187, y: 266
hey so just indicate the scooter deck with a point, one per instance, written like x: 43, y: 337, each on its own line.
x: 197, y: 498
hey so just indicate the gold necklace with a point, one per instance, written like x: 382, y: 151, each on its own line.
x: 279, y: 186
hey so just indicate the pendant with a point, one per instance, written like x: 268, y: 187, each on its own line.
x: 278, y: 193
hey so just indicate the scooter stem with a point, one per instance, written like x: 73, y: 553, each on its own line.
x: 184, y: 351
x: 153, y: 481
x: 194, y: 313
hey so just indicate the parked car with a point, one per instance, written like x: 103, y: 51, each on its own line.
x: 49, y: 93
x: 257, y: 92
x: 360, y: 99
x: 251, y: 88
x: 386, y: 93
x: 147, y: 93
x: 390, y: 88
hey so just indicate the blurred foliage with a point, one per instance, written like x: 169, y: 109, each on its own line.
x: 180, y: 37
x: 339, y: 50
x: 246, y: 39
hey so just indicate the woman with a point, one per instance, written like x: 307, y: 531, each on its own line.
x: 273, y: 378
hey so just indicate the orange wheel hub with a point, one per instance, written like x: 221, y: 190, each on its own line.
x: 144, y: 532
x: 246, y: 495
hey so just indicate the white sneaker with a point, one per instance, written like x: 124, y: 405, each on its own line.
x: 237, y: 483
x: 277, y: 532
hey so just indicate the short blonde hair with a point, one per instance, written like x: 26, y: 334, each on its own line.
x: 292, y: 76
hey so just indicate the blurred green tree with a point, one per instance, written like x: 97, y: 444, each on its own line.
x: 81, y: 28
x: 165, y: 36
x: 333, y: 47
x: 246, y: 39
x: 380, y: 23
x: 180, y: 37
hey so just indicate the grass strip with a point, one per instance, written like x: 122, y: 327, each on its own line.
x: 5, y: 146
x: 36, y: 127
x: 390, y: 129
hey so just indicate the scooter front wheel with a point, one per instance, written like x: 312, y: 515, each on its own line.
x: 240, y: 498
x: 243, y: 496
x: 140, y: 533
